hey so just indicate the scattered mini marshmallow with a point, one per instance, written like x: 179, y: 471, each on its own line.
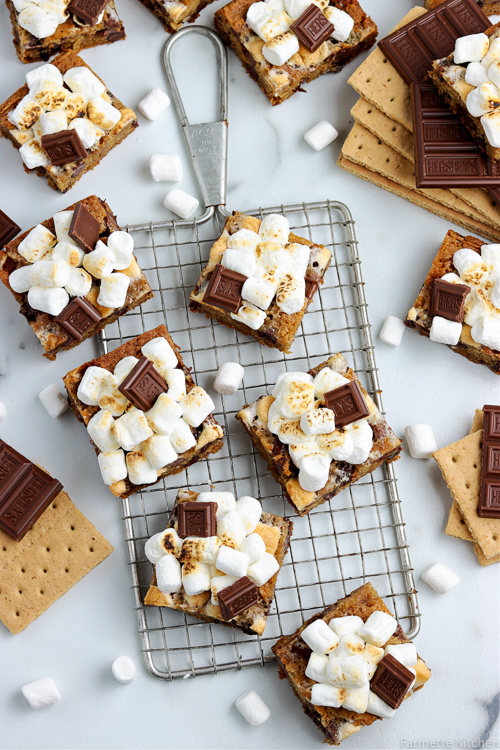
x: 3, y: 411
x: 165, y: 167
x: 243, y: 239
x: 250, y: 315
x: 196, y: 406
x: 372, y: 655
x: 320, y: 638
x: 86, y: 131
x: 122, y: 245
x: 291, y: 293
x: 203, y: 549
x: 47, y: 72
x: 392, y: 331
x: 345, y: 625
x: 124, y: 670
x: 261, y: 571
x: 421, y: 440
x: 232, y: 562
x: 487, y: 331
x: 356, y: 699
x: 316, y: 667
x: 231, y: 529
x: 323, y: 694
x: 53, y: 122
x: 378, y: 628
x: 228, y: 378
x: 139, y: 469
x: 321, y: 135
x: 181, y: 203
x: 254, y: 547
x: 347, y: 672
x: 362, y: 437
x: 440, y: 577
x: 281, y: 48
x: 314, y: 472
x: 41, y: 693
x: 252, y: 708
x: 349, y: 645
x: 113, y: 290
x: 249, y: 509
x: 176, y: 381
x: 445, y: 331
x: 50, y: 300
x: 154, y: 104
x: 195, y: 576
x: 33, y: 155
x: 343, y: 23
x: 53, y: 400
x: 168, y: 574
x: 241, y: 261
x: 112, y: 465
x: 482, y: 99
x: 68, y: 252
x: 163, y: 415
x: 406, y: 653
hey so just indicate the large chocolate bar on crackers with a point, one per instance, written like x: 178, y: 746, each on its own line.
x: 209, y: 435
x: 51, y: 335
x: 489, y: 7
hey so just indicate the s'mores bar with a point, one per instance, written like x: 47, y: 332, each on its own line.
x: 260, y: 279
x: 218, y: 559
x: 319, y: 432
x: 145, y: 416
x: 64, y: 121
x: 173, y: 13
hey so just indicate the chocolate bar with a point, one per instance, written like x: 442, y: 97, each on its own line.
x: 84, y: 229
x: 448, y: 300
x: 78, y: 317
x: 348, y: 404
x: 224, y: 289
x: 312, y: 28
x: 196, y: 519
x: 236, y: 598
x: 8, y: 229
x: 489, y: 501
x: 413, y: 48
x: 143, y: 385
x: 63, y: 147
x: 391, y: 681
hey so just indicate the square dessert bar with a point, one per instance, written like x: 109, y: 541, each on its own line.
x: 145, y: 416
x: 361, y: 625
x: 64, y: 121
x: 477, y: 335
x: 319, y: 432
x: 173, y: 13
x: 279, y: 59
x: 260, y: 279
x: 186, y: 558
x: 48, y: 27
x: 46, y: 267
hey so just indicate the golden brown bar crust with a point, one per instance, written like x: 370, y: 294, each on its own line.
x: 293, y: 654
x: 280, y: 82
x: 420, y: 317
x: 253, y: 620
x: 209, y: 435
x: 52, y: 337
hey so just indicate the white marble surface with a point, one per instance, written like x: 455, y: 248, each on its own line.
x: 76, y: 641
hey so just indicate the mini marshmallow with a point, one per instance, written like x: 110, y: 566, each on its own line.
x: 62, y: 223
x: 319, y: 637
x: 53, y: 400
x: 164, y: 543
x: 471, y: 48
x: 362, y: 437
x: 295, y: 8
x: 196, y: 406
x: 421, y: 440
x: 294, y: 396
x: 165, y: 167
x: 47, y: 72
x: 159, y: 452
x: 69, y: 253
x: 123, y: 367
x: 299, y: 451
x: 345, y: 625
x: 100, y: 262
x: 392, y: 331
x: 168, y: 574
x: 139, y: 469
x: 48, y: 299
x: 218, y: 583
x: 202, y: 549
x: 111, y: 398
x: 477, y: 305
x: 176, y: 381
x: 274, y: 419
x: 102, y: 113
x: 3, y: 411
x: 122, y: 245
x: 112, y: 465
x: 50, y: 273
x: 323, y: 694
x: 270, y: 26
x: 495, y: 292
x: 476, y: 74
x: 262, y: 570
x: 316, y: 667
x: 100, y: 431
x: 314, y: 472
x: 36, y: 244
x: 113, y: 290
x: 378, y: 707
x: 487, y: 332
x: 250, y: 315
x: 327, y: 380
x: 470, y: 265
x: 491, y: 124
x: 451, y: 278
x: 482, y: 99
x: 232, y: 562
x: 491, y: 256
x: 321, y: 135
x: 257, y: 14
x: 228, y: 378
x: 19, y: 5
x: 181, y: 437
x: 81, y: 80
x: 253, y: 547
x: 86, y: 131
x: 347, y: 672
x: 131, y: 429
x: 372, y: 655
x: 33, y: 155
x: 160, y: 353
x: 38, y: 22
x: 154, y: 104
x: 318, y: 421
x: 231, y: 529
x: 181, y: 203
x: 281, y: 48
x: 356, y: 699
x: 241, y: 261
x: 298, y: 260
x: 226, y: 501
x: 243, y: 239
x: 41, y: 693
x: 350, y: 644
x: 195, y: 577
x: 76, y: 109
x: 79, y: 282
x: 291, y: 433
x: 252, y: 708
x: 258, y: 292
x: 275, y: 228
x: 20, y: 279
x: 53, y: 122
x: 338, y: 445
x: 291, y: 294
x: 249, y: 509
x: 445, y: 331
x: 378, y: 628
x: 49, y: 95
x: 90, y: 387
x: 440, y: 577
x: 26, y: 113
x: 124, y: 670
x: 493, y: 53
x: 406, y: 653
x: 342, y: 22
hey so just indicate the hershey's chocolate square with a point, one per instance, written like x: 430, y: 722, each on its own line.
x: 84, y: 228
x: 196, y: 519
x: 8, y: 229
x: 448, y: 300
x: 78, y: 317
x: 224, y: 289
x: 312, y: 28
x: 87, y: 11
x: 235, y: 599
x: 63, y: 147
x: 311, y: 287
x: 348, y: 403
x: 391, y: 681
x: 491, y: 460
x: 491, y: 427
x: 489, y: 505
x: 143, y: 385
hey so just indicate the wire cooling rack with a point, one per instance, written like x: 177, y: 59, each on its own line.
x: 357, y: 536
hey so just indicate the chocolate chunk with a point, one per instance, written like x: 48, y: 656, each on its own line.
x: 489, y: 505
x: 78, y: 317
x: 312, y: 28
x: 348, y: 403
x: 8, y: 229
x: 63, y: 147
x: 448, y: 300
x: 391, y: 681
x: 196, y: 519
x: 413, y: 48
x: 87, y: 11
x: 143, y: 385
x: 116, y: 36
x: 491, y: 427
x: 235, y: 599
x: 224, y: 289
x: 311, y: 287
x: 84, y: 228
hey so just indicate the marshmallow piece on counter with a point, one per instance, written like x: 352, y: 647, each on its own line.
x: 53, y: 400
x: 249, y: 509
x: 493, y: 53
x: 254, y: 547
x: 47, y: 72
x: 181, y: 203
x: 139, y: 469
x: 81, y: 80
x: 231, y: 529
x: 482, y: 99
x: 122, y: 245
x: 291, y: 294
x: 323, y: 694
x: 226, y: 501
x: 471, y: 48
x: 347, y: 672
x: 160, y: 353
x: 168, y: 574
x: 345, y: 625
x: 112, y: 465
x: 243, y: 239
x: 37, y: 21
x: 252, y: 708
x: 90, y: 387
x: 202, y: 549
x: 314, y: 472
x: 100, y: 430
x: 195, y: 577
x: 392, y: 331
x: 487, y: 331
x: 50, y: 273
x: 20, y: 279
x: 258, y: 292
x: 342, y: 22
x: 445, y: 331
x: 338, y: 445
x: 372, y: 655
x: 321, y: 135
x: 159, y: 452
x: 181, y: 437
x: 262, y: 570
x: 196, y: 406
x: 350, y: 644
x: 316, y: 667
x: 476, y: 74
x: 378, y: 707
x: 33, y: 155
x: 218, y: 583
x: 362, y: 437
x: 113, y: 290
x: 3, y: 411
x: 164, y: 543
x: 79, y: 282
x: 232, y: 562
x: 36, y: 244
x: 26, y: 113
x: 406, y: 653
x: 50, y: 300
x: 131, y: 429
x: 176, y: 381
x: 356, y: 699
x: 241, y: 261
x: 440, y: 577
x: 275, y: 228
x: 421, y: 440
x: 69, y: 253
x: 250, y: 315
x: 124, y: 670
x: 41, y: 693
x: 165, y: 167
x: 318, y: 421
x: 228, y: 378
x: 102, y: 113
x: 154, y: 104
x: 85, y: 130
x: 491, y: 124
x: 378, y: 628
x: 281, y: 48
x: 100, y: 262
x: 320, y: 638
x: 327, y: 380
x: 53, y: 122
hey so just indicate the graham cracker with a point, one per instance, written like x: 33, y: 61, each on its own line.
x: 61, y: 548
x: 484, y: 561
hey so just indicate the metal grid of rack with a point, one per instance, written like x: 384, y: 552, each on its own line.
x: 355, y: 537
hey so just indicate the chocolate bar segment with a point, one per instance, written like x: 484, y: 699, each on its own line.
x: 224, y: 289
x: 448, y: 300
x: 78, y: 317
x: 413, y: 48
x: 348, y: 403
x: 391, y: 681
x: 489, y: 505
x: 87, y: 11
x: 84, y: 228
x: 196, y: 519
x: 312, y: 28
x: 143, y: 385
x: 235, y: 599
x: 489, y: 499
x: 8, y: 229
x: 63, y: 147
x: 491, y: 426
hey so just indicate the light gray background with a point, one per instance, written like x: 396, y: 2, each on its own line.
x: 76, y: 641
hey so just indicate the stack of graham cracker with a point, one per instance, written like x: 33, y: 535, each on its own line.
x: 379, y: 148
x: 460, y: 465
